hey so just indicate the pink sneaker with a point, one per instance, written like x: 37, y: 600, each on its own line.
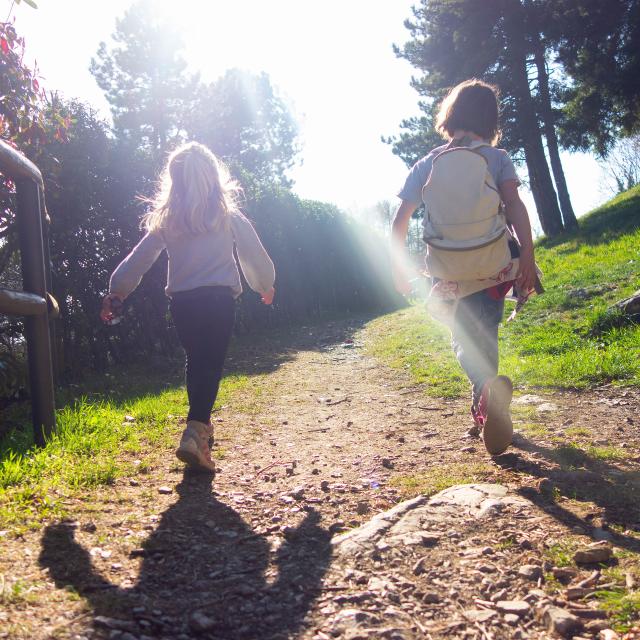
x: 478, y: 423
x: 494, y: 414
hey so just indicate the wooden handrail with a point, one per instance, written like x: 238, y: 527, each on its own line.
x: 35, y: 303
x: 19, y: 303
x: 14, y: 165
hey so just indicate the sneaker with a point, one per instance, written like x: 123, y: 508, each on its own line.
x: 478, y: 423
x: 493, y: 408
x: 194, y: 448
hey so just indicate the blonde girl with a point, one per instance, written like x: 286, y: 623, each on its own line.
x: 196, y: 219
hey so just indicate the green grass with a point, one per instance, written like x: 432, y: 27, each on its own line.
x: 96, y: 441
x: 533, y: 429
x: 441, y: 477
x: 565, y: 338
x: 622, y: 604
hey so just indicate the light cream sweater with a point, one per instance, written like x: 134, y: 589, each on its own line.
x: 198, y: 260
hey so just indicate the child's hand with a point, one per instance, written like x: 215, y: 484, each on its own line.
x: 111, y: 307
x: 267, y: 297
x: 526, y: 276
x: 401, y: 281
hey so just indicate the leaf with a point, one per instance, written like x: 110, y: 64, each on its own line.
x: 4, y: 45
x: 31, y: 3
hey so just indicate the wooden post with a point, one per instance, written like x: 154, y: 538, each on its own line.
x: 34, y: 280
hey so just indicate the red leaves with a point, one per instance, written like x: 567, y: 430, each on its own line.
x: 4, y: 45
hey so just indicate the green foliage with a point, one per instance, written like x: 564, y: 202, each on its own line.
x: 559, y: 339
x: 90, y: 448
x: 94, y: 175
x: 454, y: 40
x: 598, y: 45
x: 242, y: 119
x: 145, y: 79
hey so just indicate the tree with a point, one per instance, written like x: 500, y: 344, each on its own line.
x: 242, y: 119
x: 598, y: 45
x: 452, y: 40
x: 145, y: 80
x: 622, y: 169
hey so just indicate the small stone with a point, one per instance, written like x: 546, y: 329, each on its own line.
x: 576, y: 593
x: 418, y: 567
x: 564, y: 574
x: 362, y: 508
x: 114, y: 623
x: 530, y: 571
x: 597, y: 552
x: 599, y: 533
x: 89, y: 527
x: 486, y: 568
x: 479, y: 615
x: 608, y: 634
x: 165, y: 490
x: 200, y: 622
x: 133, y: 482
x: 511, y: 619
x: 517, y: 607
x: 324, y: 485
x: 561, y: 621
x: 336, y: 526
x: 431, y: 597
x: 129, y: 419
x: 499, y: 595
x: 387, y: 464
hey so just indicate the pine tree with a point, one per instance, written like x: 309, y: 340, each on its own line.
x: 242, y: 118
x: 598, y: 46
x: 452, y: 40
x: 145, y: 79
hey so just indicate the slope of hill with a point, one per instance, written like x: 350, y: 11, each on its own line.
x: 566, y: 338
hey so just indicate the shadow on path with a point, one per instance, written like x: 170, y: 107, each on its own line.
x: 203, y: 557
x: 580, y: 477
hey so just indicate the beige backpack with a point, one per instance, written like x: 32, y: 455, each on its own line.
x: 464, y: 223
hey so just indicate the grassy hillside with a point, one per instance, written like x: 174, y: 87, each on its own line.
x: 564, y: 338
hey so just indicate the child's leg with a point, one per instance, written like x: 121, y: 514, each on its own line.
x: 475, y: 338
x: 204, y: 323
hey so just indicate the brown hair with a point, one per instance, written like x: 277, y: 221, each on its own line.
x: 472, y: 106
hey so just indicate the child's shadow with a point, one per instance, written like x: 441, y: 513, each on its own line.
x: 582, y: 478
x: 203, y: 558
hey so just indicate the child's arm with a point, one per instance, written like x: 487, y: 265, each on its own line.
x: 129, y: 272
x: 517, y: 215
x: 399, y: 266
x: 255, y: 262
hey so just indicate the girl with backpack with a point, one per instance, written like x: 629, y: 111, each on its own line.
x: 479, y: 245
x: 195, y: 218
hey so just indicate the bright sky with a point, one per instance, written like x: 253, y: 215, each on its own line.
x: 333, y: 61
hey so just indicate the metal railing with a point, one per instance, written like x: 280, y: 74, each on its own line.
x: 35, y: 303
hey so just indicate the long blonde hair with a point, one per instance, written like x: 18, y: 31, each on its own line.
x: 196, y: 194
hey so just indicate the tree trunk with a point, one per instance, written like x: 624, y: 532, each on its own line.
x: 542, y: 188
x: 568, y: 216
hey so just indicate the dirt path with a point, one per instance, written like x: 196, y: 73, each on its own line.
x: 315, y: 448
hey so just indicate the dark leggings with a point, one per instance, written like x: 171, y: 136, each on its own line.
x: 204, y: 322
